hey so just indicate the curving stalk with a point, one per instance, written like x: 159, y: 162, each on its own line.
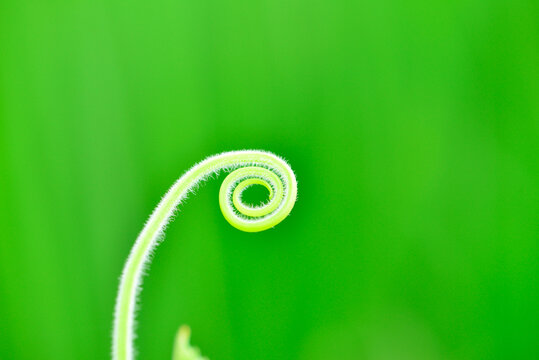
x: 249, y: 167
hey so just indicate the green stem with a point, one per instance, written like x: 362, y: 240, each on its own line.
x: 250, y: 167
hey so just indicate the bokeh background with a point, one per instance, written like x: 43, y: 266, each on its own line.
x: 413, y: 128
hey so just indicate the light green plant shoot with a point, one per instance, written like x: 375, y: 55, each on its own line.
x: 249, y: 167
x: 183, y: 349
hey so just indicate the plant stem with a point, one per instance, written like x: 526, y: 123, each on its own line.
x: 250, y: 167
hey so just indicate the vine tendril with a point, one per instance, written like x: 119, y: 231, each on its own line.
x: 248, y: 168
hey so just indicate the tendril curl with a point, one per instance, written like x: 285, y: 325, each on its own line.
x: 248, y: 168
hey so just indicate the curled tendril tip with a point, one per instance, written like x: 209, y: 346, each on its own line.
x: 248, y: 168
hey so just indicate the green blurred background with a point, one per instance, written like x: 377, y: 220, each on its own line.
x: 413, y: 129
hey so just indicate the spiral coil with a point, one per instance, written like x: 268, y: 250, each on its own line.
x: 248, y: 168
